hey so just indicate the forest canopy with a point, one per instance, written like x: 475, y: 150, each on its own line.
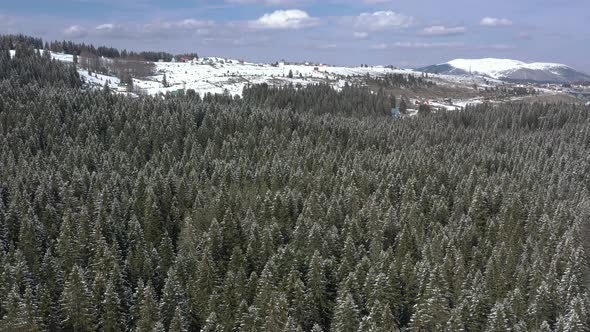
x: 293, y: 209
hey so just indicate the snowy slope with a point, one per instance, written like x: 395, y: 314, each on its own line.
x: 507, y: 69
x: 497, y: 68
x: 57, y: 56
x: 218, y: 75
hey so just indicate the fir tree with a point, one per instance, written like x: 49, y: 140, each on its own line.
x: 76, y: 310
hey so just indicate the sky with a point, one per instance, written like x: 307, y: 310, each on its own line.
x: 404, y: 33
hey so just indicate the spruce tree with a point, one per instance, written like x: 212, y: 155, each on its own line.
x: 76, y: 309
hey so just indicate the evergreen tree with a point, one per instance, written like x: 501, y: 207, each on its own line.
x: 148, y: 314
x: 29, y: 319
x: 111, y: 313
x: 178, y: 323
x: 345, y: 314
x: 76, y: 309
x: 403, y: 107
x: 164, y: 81
x: 10, y: 318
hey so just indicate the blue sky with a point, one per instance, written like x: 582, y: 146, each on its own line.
x: 407, y: 33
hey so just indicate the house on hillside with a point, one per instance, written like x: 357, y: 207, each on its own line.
x: 123, y: 87
x: 395, y: 112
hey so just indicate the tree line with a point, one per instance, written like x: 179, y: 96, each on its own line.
x: 399, y: 81
x: 10, y: 41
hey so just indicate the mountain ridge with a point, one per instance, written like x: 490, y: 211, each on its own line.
x: 510, y: 70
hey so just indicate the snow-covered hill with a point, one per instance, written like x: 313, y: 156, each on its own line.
x: 221, y: 75
x: 509, y: 70
x: 218, y: 75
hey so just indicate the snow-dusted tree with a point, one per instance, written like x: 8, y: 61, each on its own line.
x: 110, y: 314
x: 346, y: 316
x: 149, y: 314
x: 178, y: 323
x: 77, y: 311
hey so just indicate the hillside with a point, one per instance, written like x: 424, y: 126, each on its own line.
x: 217, y: 75
x: 220, y: 75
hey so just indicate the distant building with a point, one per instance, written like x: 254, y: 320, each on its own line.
x: 316, y: 69
x: 395, y: 112
x: 122, y: 87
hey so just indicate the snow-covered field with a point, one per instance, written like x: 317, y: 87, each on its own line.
x: 219, y: 75
x: 216, y: 75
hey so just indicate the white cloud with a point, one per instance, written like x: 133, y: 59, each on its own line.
x: 321, y: 46
x: 495, y: 22
x: 193, y: 24
x: 381, y: 46
x: 112, y: 30
x: 441, y: 30
x: 360, y: 35
x: 498, y: 47
x: 105, y: 27
x: 285, y: 19
x: 75, y: 31
x: 185, y: 25
x: 383, y: 20
x: 417, y: 45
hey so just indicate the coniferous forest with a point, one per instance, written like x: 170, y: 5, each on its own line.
x: 292, y: 209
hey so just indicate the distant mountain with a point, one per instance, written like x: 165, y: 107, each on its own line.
x: 509, y: 70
